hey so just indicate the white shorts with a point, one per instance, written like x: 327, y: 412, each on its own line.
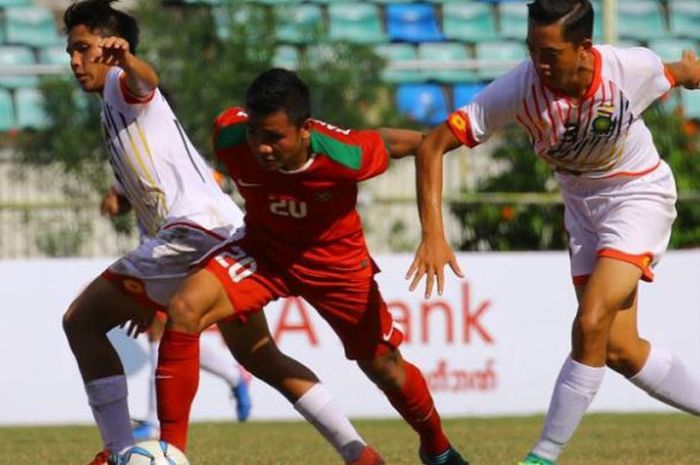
x: 152, y: 272
x: 627, y: 218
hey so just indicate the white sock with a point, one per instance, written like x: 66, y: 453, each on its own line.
x: 215, y: 358
x: 322, y: 410
x: 664, y: 377
x: 152, y: 412
x: 574, y: 391
x: 108, y: 399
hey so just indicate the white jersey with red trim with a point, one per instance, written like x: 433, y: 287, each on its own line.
x: 602, y: 136
x: 161, y: 173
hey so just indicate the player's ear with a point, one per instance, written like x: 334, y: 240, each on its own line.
x: 306, y: 129
x: 587, y: 44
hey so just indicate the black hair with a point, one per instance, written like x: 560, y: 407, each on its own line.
x: 279, y: 89
x: 577, y: 16
x: 99, y: 16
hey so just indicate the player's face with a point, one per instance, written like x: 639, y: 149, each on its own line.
x: 277, y: 142
x: 556, y: 60
x: 82, y: 48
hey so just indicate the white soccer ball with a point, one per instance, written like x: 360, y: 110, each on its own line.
x: 154, y: 453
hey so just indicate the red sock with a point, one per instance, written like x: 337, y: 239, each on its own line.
x: 177, y: 378
x: 415, y: 404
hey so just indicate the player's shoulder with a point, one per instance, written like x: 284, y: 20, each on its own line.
x: 343, y: 146
x: 230, y: 127
x: 627, y: 56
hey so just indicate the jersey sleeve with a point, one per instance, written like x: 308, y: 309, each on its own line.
x: 493, y: 108
x: 118, y: 94
x: 644, y: 77
x: 357, y: 155
x: 229, y: 131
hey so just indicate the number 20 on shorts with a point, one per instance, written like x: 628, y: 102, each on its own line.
x: 239, y: 264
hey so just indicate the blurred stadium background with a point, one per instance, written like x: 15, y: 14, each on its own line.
x: 369, y: 62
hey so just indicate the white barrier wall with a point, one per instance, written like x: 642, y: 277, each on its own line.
x: 492, y: 345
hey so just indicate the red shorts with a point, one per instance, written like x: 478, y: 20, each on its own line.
x: 350, y: 302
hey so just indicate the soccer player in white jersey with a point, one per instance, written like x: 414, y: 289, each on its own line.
x: 185, y: 213
x: 581, y: 106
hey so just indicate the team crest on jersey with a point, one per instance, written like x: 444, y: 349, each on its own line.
x: 324, y: 196
x: 603, y: 122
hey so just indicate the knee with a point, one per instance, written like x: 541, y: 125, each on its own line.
x: 184, y: 316
x: 386, y: 372
x: 592, y: 323
x: 73, y: 325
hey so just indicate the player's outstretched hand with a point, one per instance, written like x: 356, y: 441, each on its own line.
x: 692, y: 64
x: 114, y: 51
x: 431, y: 257
x: 133, y: 328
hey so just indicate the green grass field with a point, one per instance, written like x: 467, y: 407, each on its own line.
x: 601, y: 440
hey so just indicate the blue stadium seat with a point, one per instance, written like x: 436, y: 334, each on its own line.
x: 55, y: 55
x: 424, y: 103
x: 355, y: 22
x: 286, y: 56
x: 7, y: 3
x: 672, y: 49
x: 30, y: 109
x: 684, y: 18
x: 691, y: 103
x: 31, y: 25
x: 640, y: 20
x: 7, y: 111
x: 468, y: 22
x: 299, y: 24
x: 16, y: 55
x: 415, y: 22
x: 500, y: 50
x: 465, y: 93
x: 445, y: 54
x: 513, y: 20
x: 398, y: 53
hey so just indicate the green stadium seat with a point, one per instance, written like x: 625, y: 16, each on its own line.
x: 500, y: 50
x: 640, y: 20
x: 31, y: 25
x: 286, y: 56
x: 684, y: 18
x: 513, y: 20
x: 398, y: 53
x: 355, y: 22
x: 55, y: 55
x: 7, y: 111
x: 468, y: 22
x: 691, y: 103
x: 672, y: 49
x: 17, y: 55
x: 445, y: 53
x: 8, y: 3
x: 387, y: 2
x: 299, y: 24
x: 30, y: 109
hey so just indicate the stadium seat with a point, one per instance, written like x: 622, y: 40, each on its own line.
x: 299, y: 24
x: 499, y: 50
x: 415, y: 22
x: 30, y: 109
x: 447, y: 54
x: 672, y: 49
x: 640, y: 20
x: 424, y: 103
x: 17, y: 55
x: 691, y: 103
x: 468, y: 22
x: 286, y: 56
x: 513, y: 20
x: 465, y: 93
x: 398, y: 53
x: 355, y: 22
x: 7, y: 111
x: 32, y: 25
x: 684, y: 18
x: 55, y: 55
x: 8, y: 3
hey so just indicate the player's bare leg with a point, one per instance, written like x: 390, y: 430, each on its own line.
x: 99, y: 308
x: 405, y: 387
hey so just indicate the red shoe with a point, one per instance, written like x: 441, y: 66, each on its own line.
x: 105, y: 458
x: 368, y: 457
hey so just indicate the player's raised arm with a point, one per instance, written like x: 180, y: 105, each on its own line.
x: 401, y: 142
x: 686, y: 72
x: 433, y: 252
x: 141, y: 78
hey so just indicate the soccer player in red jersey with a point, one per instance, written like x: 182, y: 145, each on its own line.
x: 302, y: 237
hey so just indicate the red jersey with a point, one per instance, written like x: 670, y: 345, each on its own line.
x: 305, y: 219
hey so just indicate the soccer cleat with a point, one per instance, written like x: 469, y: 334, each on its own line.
x: 105, y: 458
x: 144, y: 430
x: 368, y: 456
x: 241, y: 393
x: 449, y: 457
x: 533, y: 459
